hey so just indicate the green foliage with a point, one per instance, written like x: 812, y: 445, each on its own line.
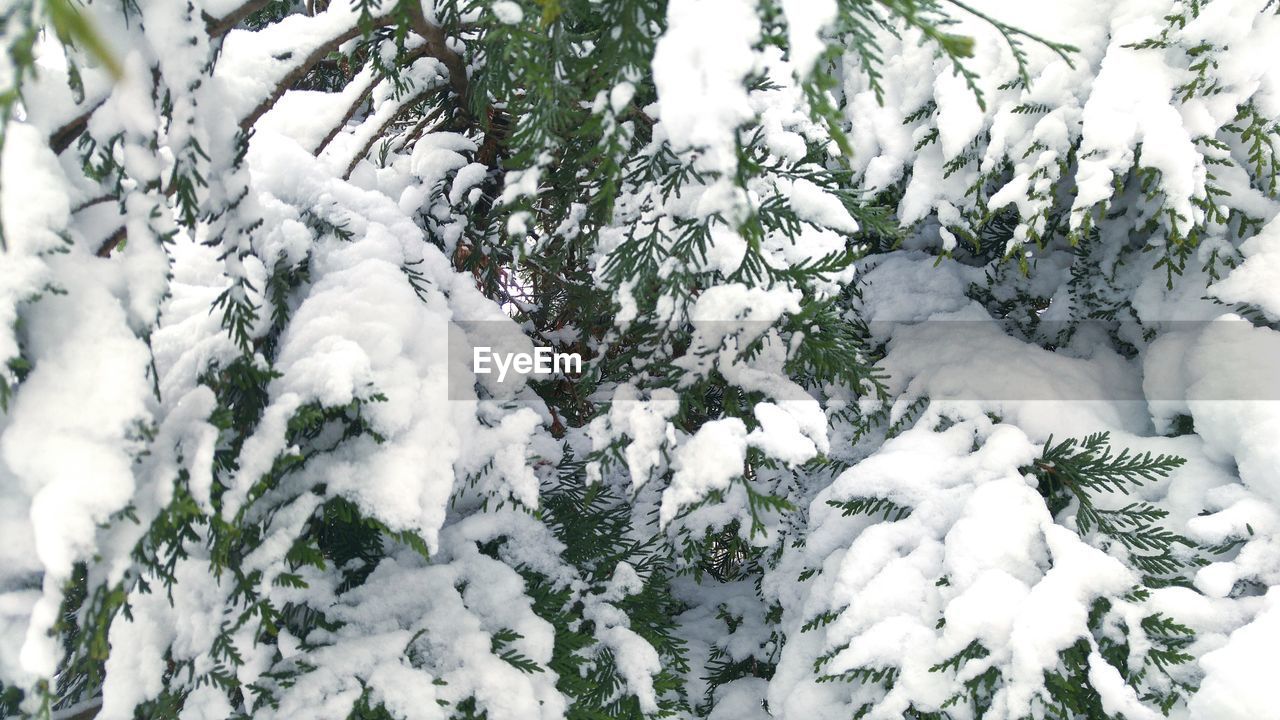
x: 574, y: 216
x: 872, y: 506
x: 1088, y: 465
x: 1077, y: 470
x: 595, y: 529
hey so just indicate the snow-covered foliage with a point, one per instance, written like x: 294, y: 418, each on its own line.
x: 929, y: 349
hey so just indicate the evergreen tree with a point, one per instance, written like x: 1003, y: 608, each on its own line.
x: 915, y: 336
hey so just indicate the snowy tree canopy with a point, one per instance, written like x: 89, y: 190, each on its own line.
x: 930, y: 358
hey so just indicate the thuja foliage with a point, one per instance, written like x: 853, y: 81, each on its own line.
x: 1074, y: 477
x: 1077, y: 470
x: 250, y: 475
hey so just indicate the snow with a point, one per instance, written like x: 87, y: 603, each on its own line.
x: 706, y: 462
x: 820, y: 208
x: 508, y: 12
x: 645, y: 422
x: 253, y: 63
x: 1237, y: 679
x: 637, y: 662
x: 1254, y: 281
x: 348, y: 250
x: 437, y: 154
x: 620, y: 96
x: 74, y: 469
x: 780, y: 434
x: 308, y: 116
x: 1015, y: 579
x: 726, y: 251
x: 806, y: 20
x: 336, y: 351
x: 1095, y: 102
x: 740, y: 311
x: 698, y: 75
x: 187, y: 624
x: 740, y: 700
x: 1117, y: 697
x: 1217, y: 372
x: 467, y: 178
x: 33, y: 212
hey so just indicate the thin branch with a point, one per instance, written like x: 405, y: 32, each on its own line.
x: 217, y: 27
x: 438, y: 48
x: 417, y: 129
x: 62, y: 138
x: 436, y: 45
x: 360, y: 99
x: 409, y: 58
x: 301, y: 69
x: 382, y: 129
x: 112, y: 242
x: 91, y: 202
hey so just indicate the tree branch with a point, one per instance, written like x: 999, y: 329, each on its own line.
x: 409, y: 58
x: 436, y: 45
x: 373, y: 138
x: 346, y: 116
x: 217, y: 27
x: 300, y: 71
x: 62, y: 138
x: 438, y: 48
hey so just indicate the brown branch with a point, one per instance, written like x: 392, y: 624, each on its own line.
x: 62, y: 138
x: 91, y: 202
x: 66, y: 134
x: 86, y: 714
x: 373, y: 138
x: 346, y: 117
x: 217, y: 27
x: 495, y: 137
x: 438, y: 48
x: 409, y: 58
x: 434, y: 37
x: 112, y: 242
x: 417, y: 129
x: 435, y: 46
x: 300, y: 71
